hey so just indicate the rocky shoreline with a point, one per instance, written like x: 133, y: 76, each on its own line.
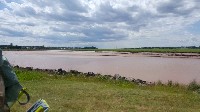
x: 60, y: 71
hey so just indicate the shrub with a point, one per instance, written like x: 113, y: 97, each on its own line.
x: 170, y: 83
x: 193, y: 86
x: 159, y: 82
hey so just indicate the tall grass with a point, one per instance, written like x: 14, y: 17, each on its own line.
x: 194, y: 86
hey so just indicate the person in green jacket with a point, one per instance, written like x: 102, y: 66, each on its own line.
x: 10, y: 81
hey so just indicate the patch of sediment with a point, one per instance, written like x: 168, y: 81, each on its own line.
x: 170, y: 55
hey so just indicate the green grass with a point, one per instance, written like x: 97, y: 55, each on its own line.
x: 156, y: 50
x: 94, y: 94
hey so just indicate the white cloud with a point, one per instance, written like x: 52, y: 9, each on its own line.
x: 98, y: 22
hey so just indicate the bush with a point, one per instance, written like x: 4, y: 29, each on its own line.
x: 193, y: 86
x: 170, y: 83
x: 159, y: 82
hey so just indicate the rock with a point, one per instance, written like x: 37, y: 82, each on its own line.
x: 116, y: 77
x: 139, y: 81
x: 29, y: 68
x: 90, y: 74
x: 75, y: 72
x: 61, y: 71
x: 17, y: 66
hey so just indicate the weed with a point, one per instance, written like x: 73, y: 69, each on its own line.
x: 193, y: 86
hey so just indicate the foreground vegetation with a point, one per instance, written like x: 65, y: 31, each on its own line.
x: 156, y: 50
x: 77, y: 93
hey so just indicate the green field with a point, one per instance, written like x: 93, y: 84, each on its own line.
x: 156, y: 50
x: 78, y: 93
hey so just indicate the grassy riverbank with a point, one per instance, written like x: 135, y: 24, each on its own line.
x: 78, y: 93
x: 131, y: 50
x: 156, y: 50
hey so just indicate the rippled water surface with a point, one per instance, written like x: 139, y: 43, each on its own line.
x: 182, y: 70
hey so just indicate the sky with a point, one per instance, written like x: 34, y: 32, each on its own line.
x: 100, y: 23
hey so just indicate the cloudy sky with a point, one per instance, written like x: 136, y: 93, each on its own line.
x: 100, y: 23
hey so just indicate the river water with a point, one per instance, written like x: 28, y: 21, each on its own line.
x: 182, y: 70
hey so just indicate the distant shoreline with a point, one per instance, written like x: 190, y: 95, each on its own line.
x: 191, y: 49
x: 109, y: 52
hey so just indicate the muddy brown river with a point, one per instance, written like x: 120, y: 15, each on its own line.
x: 182, y: 70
